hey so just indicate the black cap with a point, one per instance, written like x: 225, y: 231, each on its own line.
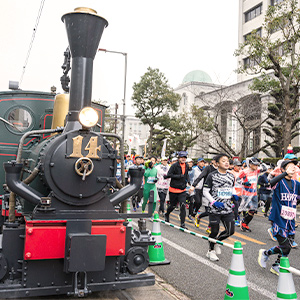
x: 286, y: 162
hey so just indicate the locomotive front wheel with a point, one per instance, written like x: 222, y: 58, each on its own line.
x: 84, y: 167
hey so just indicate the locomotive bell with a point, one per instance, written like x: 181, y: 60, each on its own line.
x: 84, y: 29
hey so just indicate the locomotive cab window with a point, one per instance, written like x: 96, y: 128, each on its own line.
x: 20, y: 119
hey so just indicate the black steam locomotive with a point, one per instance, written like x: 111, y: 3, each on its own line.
x: 67, y: 237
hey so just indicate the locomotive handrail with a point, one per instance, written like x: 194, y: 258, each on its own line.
x: 27, y: 134
x: 121, y: 151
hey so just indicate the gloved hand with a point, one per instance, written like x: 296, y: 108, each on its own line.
x: 181, y: 175
x: 236, y: 197
x: 247, y: 183
x: 165, y: 177
x: 155, y: 180
x: 218, y: 204
x: 150, y: 165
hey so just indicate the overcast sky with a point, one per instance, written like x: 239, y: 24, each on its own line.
x: 174, y: 36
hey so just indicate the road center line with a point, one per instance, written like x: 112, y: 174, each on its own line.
x: 221, y: 270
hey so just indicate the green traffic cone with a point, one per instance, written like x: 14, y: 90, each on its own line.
x: 237, y: 284
x: 156, y: 251
x: 285, y: 287
x: 128, y: 211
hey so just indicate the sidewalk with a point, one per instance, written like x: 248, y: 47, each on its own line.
x: 160, y: 291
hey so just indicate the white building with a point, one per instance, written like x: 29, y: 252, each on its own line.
x: 222, y: 101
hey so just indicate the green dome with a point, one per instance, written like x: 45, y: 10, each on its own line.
x: 197, y: 75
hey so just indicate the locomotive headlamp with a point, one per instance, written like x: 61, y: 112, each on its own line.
x: 88, y: 117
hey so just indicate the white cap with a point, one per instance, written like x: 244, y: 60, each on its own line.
x: 174, y: 159
x: 164, y: 158
x: 188, y: 160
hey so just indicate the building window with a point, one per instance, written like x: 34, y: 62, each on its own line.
x: 224, y: 123
x: 274, y: 2
x: 253, y: 13
x: 258, y: 32
x: 250, y: 62
x: 230, y: 141
x: 184, y: 98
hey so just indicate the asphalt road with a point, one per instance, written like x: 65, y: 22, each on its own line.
x: 198, y: 278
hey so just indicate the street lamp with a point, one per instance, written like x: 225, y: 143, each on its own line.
x: 122, y: 117
x: 124, y: 97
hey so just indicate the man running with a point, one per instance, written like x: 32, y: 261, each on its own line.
x: 283, y: 213
x: 218, y: 189
x: 178, y: 173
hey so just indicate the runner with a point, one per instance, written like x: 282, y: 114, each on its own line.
x: 136, y: 198
x: 218, y: 189
x: 249, y: 203
x: 179, y: 178
x: 150, y: 178
x: 197, y: 184
x: 283, y: 213
x: 237, y: 191
x: 162, y: 184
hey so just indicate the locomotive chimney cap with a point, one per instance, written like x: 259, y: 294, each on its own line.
x: 85, y: 10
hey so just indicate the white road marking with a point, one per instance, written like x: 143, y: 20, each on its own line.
x: 223, y: 271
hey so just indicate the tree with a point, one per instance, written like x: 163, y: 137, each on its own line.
x: 237, y: 121
x: 153, y: 99
x: 182, y: 131
x: 274, y: 55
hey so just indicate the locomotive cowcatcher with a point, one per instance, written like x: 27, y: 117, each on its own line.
x: 69, y: 238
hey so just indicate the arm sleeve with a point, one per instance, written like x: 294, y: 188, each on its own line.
x: 171, y: 173
x: 207, y: 195
x: 202, y: 175
x: 277, y: 178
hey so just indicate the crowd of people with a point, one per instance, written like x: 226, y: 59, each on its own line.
x: 230, y: 192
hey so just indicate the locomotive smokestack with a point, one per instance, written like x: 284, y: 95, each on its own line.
x: 84, y: 29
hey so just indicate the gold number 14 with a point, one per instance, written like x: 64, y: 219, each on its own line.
x: 91, y: 147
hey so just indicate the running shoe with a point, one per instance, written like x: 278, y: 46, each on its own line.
x: 167, y: 218
x: 237, y: 223
x: 245, y: 227
x: 270, y: 231
x: 178, y: 217
x: 134, y: 209
x: 296, y: 225
x: 275, y: 269
x: 211, y: 254
x: 218, y: 249
x: 190, y: 219
x: 183, y: 226
x: 263, y: 210
x: 208, y: 230
x: 294, y: 245
x: 137, y: 205
x: 262, y: 258
x: 143, y: 211
x: 197, y: 221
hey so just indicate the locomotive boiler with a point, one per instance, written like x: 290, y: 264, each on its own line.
x: 69, y: 237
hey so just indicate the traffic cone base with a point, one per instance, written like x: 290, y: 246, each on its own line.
x: 237, y: 284
x: 156, y: 251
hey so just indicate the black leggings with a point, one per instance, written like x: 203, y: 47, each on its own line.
x: 214, y: 221
x: 284, y: 247
x: 198, y: 200
x: 162, y: 197
x: 174, y: 199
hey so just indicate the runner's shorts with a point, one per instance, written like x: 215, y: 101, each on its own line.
x: 248, y: 202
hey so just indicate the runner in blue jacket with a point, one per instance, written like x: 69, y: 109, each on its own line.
x: 283, y: 214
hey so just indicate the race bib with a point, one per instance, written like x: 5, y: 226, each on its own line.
x: 151, y: 179
x: 252, y: 179
x: 288, y: 213
x: 224, y: 193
